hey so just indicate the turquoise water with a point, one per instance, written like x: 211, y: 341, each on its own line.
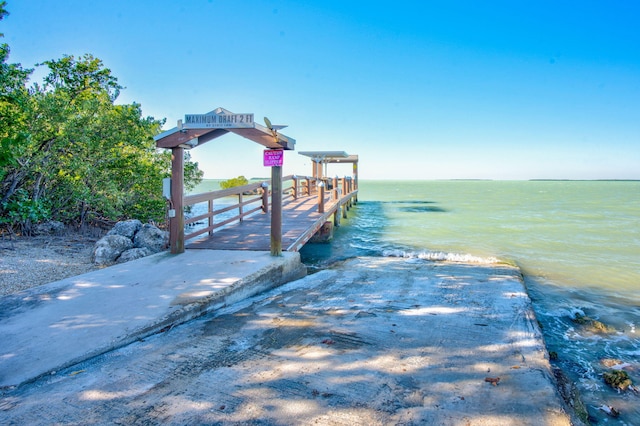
x: 577, y: 243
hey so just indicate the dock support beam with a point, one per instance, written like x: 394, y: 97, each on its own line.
x: 176, y: 223
x: 276, y: 211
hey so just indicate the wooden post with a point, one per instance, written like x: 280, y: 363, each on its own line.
x: 265, y: 197
x: 295, y: 187
x: 336, y: 196
x: 355, y: 175
x: 321, y: 197
x: 176, y: 223
x: 344, y: 194
x: 355, y: 179
x: 210, y: 204
x: 240, y: 208
x: 276, y: 211
x: 345, y: 188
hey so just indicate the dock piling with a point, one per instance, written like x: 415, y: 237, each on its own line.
x: 276, y: 211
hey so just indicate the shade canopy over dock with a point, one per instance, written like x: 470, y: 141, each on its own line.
x: 304, y: 217
x: 197, y: 129
x: 322, y: 158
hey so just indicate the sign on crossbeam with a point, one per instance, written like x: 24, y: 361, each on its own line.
x: 218, y: 121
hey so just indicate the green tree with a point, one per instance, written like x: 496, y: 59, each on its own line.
x: 232, y: 183
x: 81, y: 157
x: 14, y: 102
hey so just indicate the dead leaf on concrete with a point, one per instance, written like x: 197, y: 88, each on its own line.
x: 493, y: 380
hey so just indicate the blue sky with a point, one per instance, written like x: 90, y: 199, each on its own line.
x: 419, y: 90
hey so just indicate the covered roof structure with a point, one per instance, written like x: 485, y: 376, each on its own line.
x: 327, y: 157
x: 198, y: 129
x: 330, y: 156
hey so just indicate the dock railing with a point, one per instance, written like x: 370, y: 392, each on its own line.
x: 256, y: 197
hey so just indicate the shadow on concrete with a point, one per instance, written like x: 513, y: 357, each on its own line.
x: 372, y: 341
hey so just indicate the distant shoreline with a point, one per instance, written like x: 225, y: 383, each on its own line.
x: 469, y: 180
x: 584, y: 180
x: 498, y: 180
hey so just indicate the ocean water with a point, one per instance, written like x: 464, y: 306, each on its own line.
x: 576, y: 242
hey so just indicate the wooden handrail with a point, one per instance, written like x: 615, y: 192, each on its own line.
x: 255, y: 193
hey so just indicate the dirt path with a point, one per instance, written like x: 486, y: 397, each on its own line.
x: 27, y: 262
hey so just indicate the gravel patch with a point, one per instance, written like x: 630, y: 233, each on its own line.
x: 27, y: 262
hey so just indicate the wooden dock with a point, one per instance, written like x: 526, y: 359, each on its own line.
x: 300, y: 222
x: 291, y: 226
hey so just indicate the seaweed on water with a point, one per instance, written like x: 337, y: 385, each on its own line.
x: 617, y: 379
x: 592, y: 325
x: 571, y: 395
x: 423, y: 209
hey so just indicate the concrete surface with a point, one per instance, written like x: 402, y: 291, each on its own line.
x: 374, y: 341
x: 56, y: 325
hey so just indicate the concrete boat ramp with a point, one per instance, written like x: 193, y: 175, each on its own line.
x: 372, y: 341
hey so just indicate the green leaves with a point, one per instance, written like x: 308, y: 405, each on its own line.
x: 23, y: 211
x: 232, y: 183
x: 69, y: 153
x: 81, y: 78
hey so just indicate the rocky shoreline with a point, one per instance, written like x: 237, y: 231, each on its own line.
x: 27, y: 262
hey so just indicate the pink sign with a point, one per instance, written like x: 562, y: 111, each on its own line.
x: 273, y: 157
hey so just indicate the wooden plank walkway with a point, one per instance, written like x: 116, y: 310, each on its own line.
x: 300, y: 221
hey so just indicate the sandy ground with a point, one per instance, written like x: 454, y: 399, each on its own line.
x: 27, y: 262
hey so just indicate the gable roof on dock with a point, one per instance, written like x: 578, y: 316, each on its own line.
x: 330, y: 156
x: 189, y: 137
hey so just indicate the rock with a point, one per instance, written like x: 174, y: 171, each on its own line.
x: 126, y: 228
x: 109, y: 248
x: 133, y: 254
x: 614, y: 363
x: 48, y: 228
x: 129, y: 240
x: 152, y: 238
